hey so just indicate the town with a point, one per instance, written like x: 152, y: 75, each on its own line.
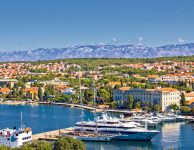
x: 135, y: 84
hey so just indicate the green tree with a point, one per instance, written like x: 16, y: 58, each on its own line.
x: 183, y: 100
x: 104, y: 93
x: 40, y: 93
x: 2, y: 147
x: 113, y: 104
x: 174, y: 106
x: 156, y: 107
x: 138, y: 105
x: 69, y: 143
x: 185, y: 109
x: 37, y: 145
x: 131, y: 100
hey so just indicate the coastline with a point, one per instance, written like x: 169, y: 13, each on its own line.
x: 90, y: 108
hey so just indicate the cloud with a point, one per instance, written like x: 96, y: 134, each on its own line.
x: 140, y: 39
x: 115, y: 39
x: 180, y: 40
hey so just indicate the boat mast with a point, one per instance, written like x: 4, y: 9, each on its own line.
x: 95, y: 117
x: 21, y: 121
x: 81, y: 103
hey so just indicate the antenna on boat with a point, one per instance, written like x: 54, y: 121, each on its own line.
x: 21, y: 121
x: 95, y: 117
x: 81, y: 103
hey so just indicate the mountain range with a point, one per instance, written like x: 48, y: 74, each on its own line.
x: 98, y: 51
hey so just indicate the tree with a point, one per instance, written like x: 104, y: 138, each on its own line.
x: 104, y: 93
x: 183, y: 100
x: 40, y: 93
x: 174, y: 106
x: 131, y: 100
x: 69, y: 143
x: 185, y: 109
x: 113, y: 104
x: 138, y: 105
x: 156, y: 107
x: 37, y: 145
x: 2, y: 147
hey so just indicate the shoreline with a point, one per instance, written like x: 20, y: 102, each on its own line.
x: 90, y: 108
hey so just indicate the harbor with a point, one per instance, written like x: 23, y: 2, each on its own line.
x: 50, y: 121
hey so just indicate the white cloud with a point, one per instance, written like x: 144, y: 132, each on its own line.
x: 140, y: 39
x: 180, y: 40
x: 115, y: 39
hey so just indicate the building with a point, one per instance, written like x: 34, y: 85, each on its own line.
x: 31, y: 93
x: 163, y: 96
x: 8, y: 82
x: 4, y: 91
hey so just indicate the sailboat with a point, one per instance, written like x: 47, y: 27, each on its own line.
x: 87, y: 136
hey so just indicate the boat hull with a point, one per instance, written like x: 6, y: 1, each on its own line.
x: 93, y: 139
x: 135, y: 137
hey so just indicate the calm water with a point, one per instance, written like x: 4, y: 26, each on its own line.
x: 45, y: 118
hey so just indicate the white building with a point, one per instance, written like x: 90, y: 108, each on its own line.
x: 15, y: 138
x: 162, y: 96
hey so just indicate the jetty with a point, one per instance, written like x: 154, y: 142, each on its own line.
x: 51, y: 135
x: 93, y: 108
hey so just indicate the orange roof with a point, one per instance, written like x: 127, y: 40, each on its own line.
x: 189, y: 94
x: 167, y: 89
x: 114, y: 83
x: 152, y: 76
x: 5, y: 90
x: 61, y: 87
x: 31, y: 89
x: 190, y: 101
x: 125, y: 88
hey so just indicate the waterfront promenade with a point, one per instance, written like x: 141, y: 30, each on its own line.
x: 70, y: 105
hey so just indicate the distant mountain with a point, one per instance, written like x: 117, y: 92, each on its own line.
x: 98, y: 51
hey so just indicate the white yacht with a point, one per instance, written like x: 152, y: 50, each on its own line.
x: 15, y: 138
x: 121, y: 131
x: 84, y: 135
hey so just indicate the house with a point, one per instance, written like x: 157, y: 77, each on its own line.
x: 8, y: 82
x: 4, y: 91
x: 31, y: 93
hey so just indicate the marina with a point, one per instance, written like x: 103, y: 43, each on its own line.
x: 47, y: 122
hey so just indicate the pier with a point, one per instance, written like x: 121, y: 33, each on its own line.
x: 50, y: 135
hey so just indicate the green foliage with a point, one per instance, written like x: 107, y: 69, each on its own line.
x: 40, y: 93
x: 104, y: 94
x: 39, y: 70
x: 157, y: 107
x: 113, y: 104
x: 183, y: 100
x: 69, y: 143
x: 138, y: 105
x: 62, y: 98
x: 174, y: 106
x: 37, y: 145
x: 2, y: 147
x: 130, y: 100
x: 185, y: 109
x: 64, y: 143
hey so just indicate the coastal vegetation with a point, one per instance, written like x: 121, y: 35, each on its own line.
x: 63, y: 143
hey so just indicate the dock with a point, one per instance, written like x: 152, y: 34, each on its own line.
x: 50, y: 135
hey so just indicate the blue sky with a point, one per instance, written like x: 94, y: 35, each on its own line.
x: 30, y: 24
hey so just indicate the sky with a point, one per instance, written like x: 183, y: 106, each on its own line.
x: 31, y: 24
